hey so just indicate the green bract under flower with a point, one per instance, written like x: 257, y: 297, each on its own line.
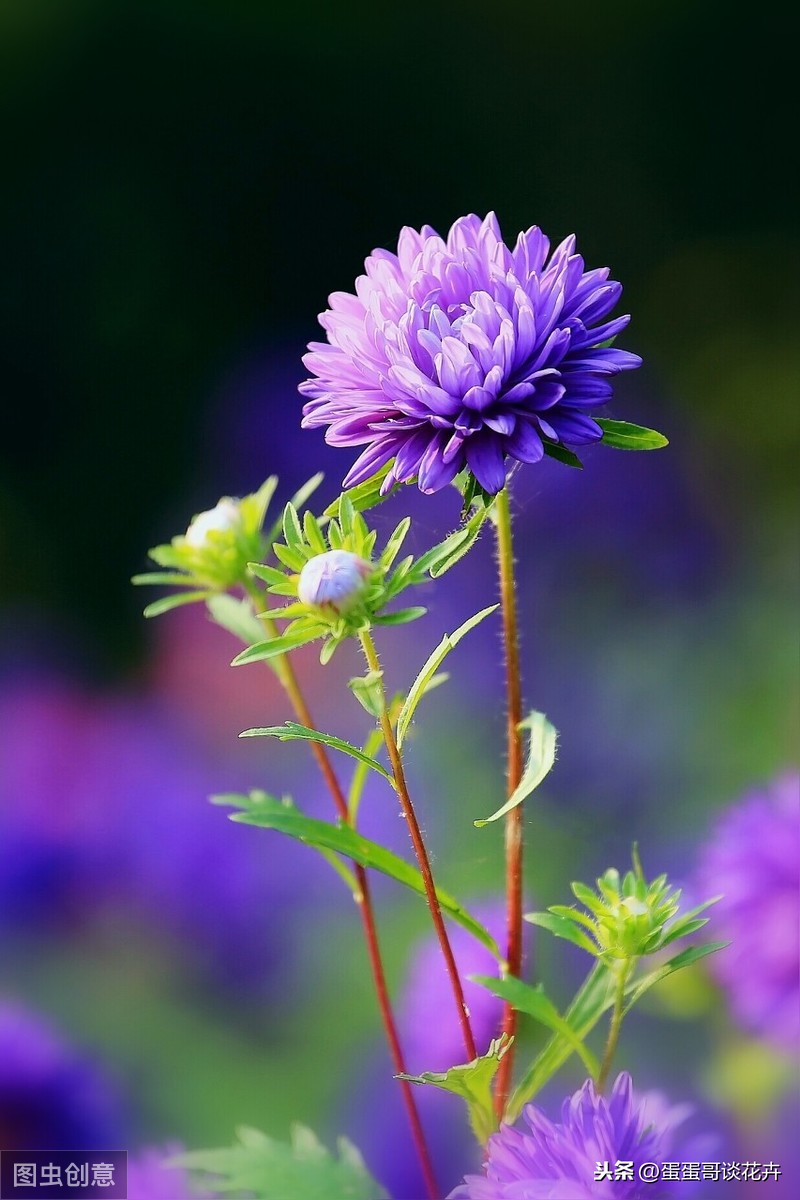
x: 627, y: 917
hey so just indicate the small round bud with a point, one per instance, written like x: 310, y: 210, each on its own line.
x: 335, y: 578
x: 226, y: 516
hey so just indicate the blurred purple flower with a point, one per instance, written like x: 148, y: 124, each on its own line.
x: 464, y: 353
x: 551, y: 1161
x: 149, y: 1177
x: 753, y: 860
x: 53, y: 1096
x: 104, y: 804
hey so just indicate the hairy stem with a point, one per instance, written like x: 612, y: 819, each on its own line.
x: 614, y: 1025
x: 289, y: 681
x: 418, y: 843
x: 514, y: 766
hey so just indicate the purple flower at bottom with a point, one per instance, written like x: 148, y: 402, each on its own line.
x: 753, y: 860
x: 462, y: 353
x: 551, y: 1161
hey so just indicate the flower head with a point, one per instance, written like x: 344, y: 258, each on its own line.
x: 551, y: 1161
x: 752, y: 860
x: 225, y: 517
x: 462, y: 353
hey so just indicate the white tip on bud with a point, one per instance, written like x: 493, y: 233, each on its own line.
x: 334, y: 578
x: 225, y: 516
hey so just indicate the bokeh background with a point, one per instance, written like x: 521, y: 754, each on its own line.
x: 184, y: 185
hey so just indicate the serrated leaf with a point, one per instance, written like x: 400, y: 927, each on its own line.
x: 275, y: 646
x: 561, y: 454
x: 167, y: 602
x: 533, y: 1001
x: 268, y: 813
x: 266, y: 1169
x: 473, y: 1083
x: 291, y: 731
x: 625, y: 436
x: 236, y: 616
x: 561, y: 927
x: 541, y: 756
x: 417, y: 689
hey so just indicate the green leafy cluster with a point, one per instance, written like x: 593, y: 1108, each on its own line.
x: 304, y: 540
x: 219, y: 562
x: 265, y: 1169
x: 627, y: 917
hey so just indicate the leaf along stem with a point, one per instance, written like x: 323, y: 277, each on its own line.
x: 514, y: 768
x: 418, y: 843
x: 363, y: 898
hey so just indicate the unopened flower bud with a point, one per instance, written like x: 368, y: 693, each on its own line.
x: 335, y: 578
x: 226, y: 516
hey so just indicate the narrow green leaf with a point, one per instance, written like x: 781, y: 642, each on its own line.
x: 541, y: 756
x: 692, y: 954
x: 236, y: 616
x: 313, y: 533
x: 593, y: 998
x: 446, y: 554
x: 294, y: 732
x: 167, y: 602
x: 268, y: 813
x: 365, y: 495
x: 473, y: 1083
x: 265, y: 1169
x: 289, y: 556
x: 534, y: 1002
x: 272, y: 576
x: 417, y: 689
x: 625, y: 436
x: 178, y: 578
x: 274, y: 646
x: 394, y: 543
x: 562, y: 928
x: 401, y: 617
x: 561, y: 454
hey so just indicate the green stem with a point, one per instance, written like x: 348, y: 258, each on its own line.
x: 418, y: 843
x: 363, y: 898
x: 615, y: 1024
x: 514, y: 768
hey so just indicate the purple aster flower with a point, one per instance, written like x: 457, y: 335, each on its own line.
x: 551, y: 1161
x: 463, y: 353
x: 53, y: 1096
x: 753, y: 860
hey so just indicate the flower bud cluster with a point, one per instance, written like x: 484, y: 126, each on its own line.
x: 627, y: 917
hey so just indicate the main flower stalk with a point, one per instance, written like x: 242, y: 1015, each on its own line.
x: 514, y: 819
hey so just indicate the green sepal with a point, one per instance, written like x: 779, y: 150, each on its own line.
x: 561, y: 454
x: 402, y: 617
x: 418, y: 687
x: 269, y: 813
x: 624, y: 436
x: 178, y: 578
x: 533, y: 1001
x: 368, y: 691
x: 541, y: 756
x: 562, y: 927
x: 259, y: 1166
x: 473, y: 1083
x: 364, y: 495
